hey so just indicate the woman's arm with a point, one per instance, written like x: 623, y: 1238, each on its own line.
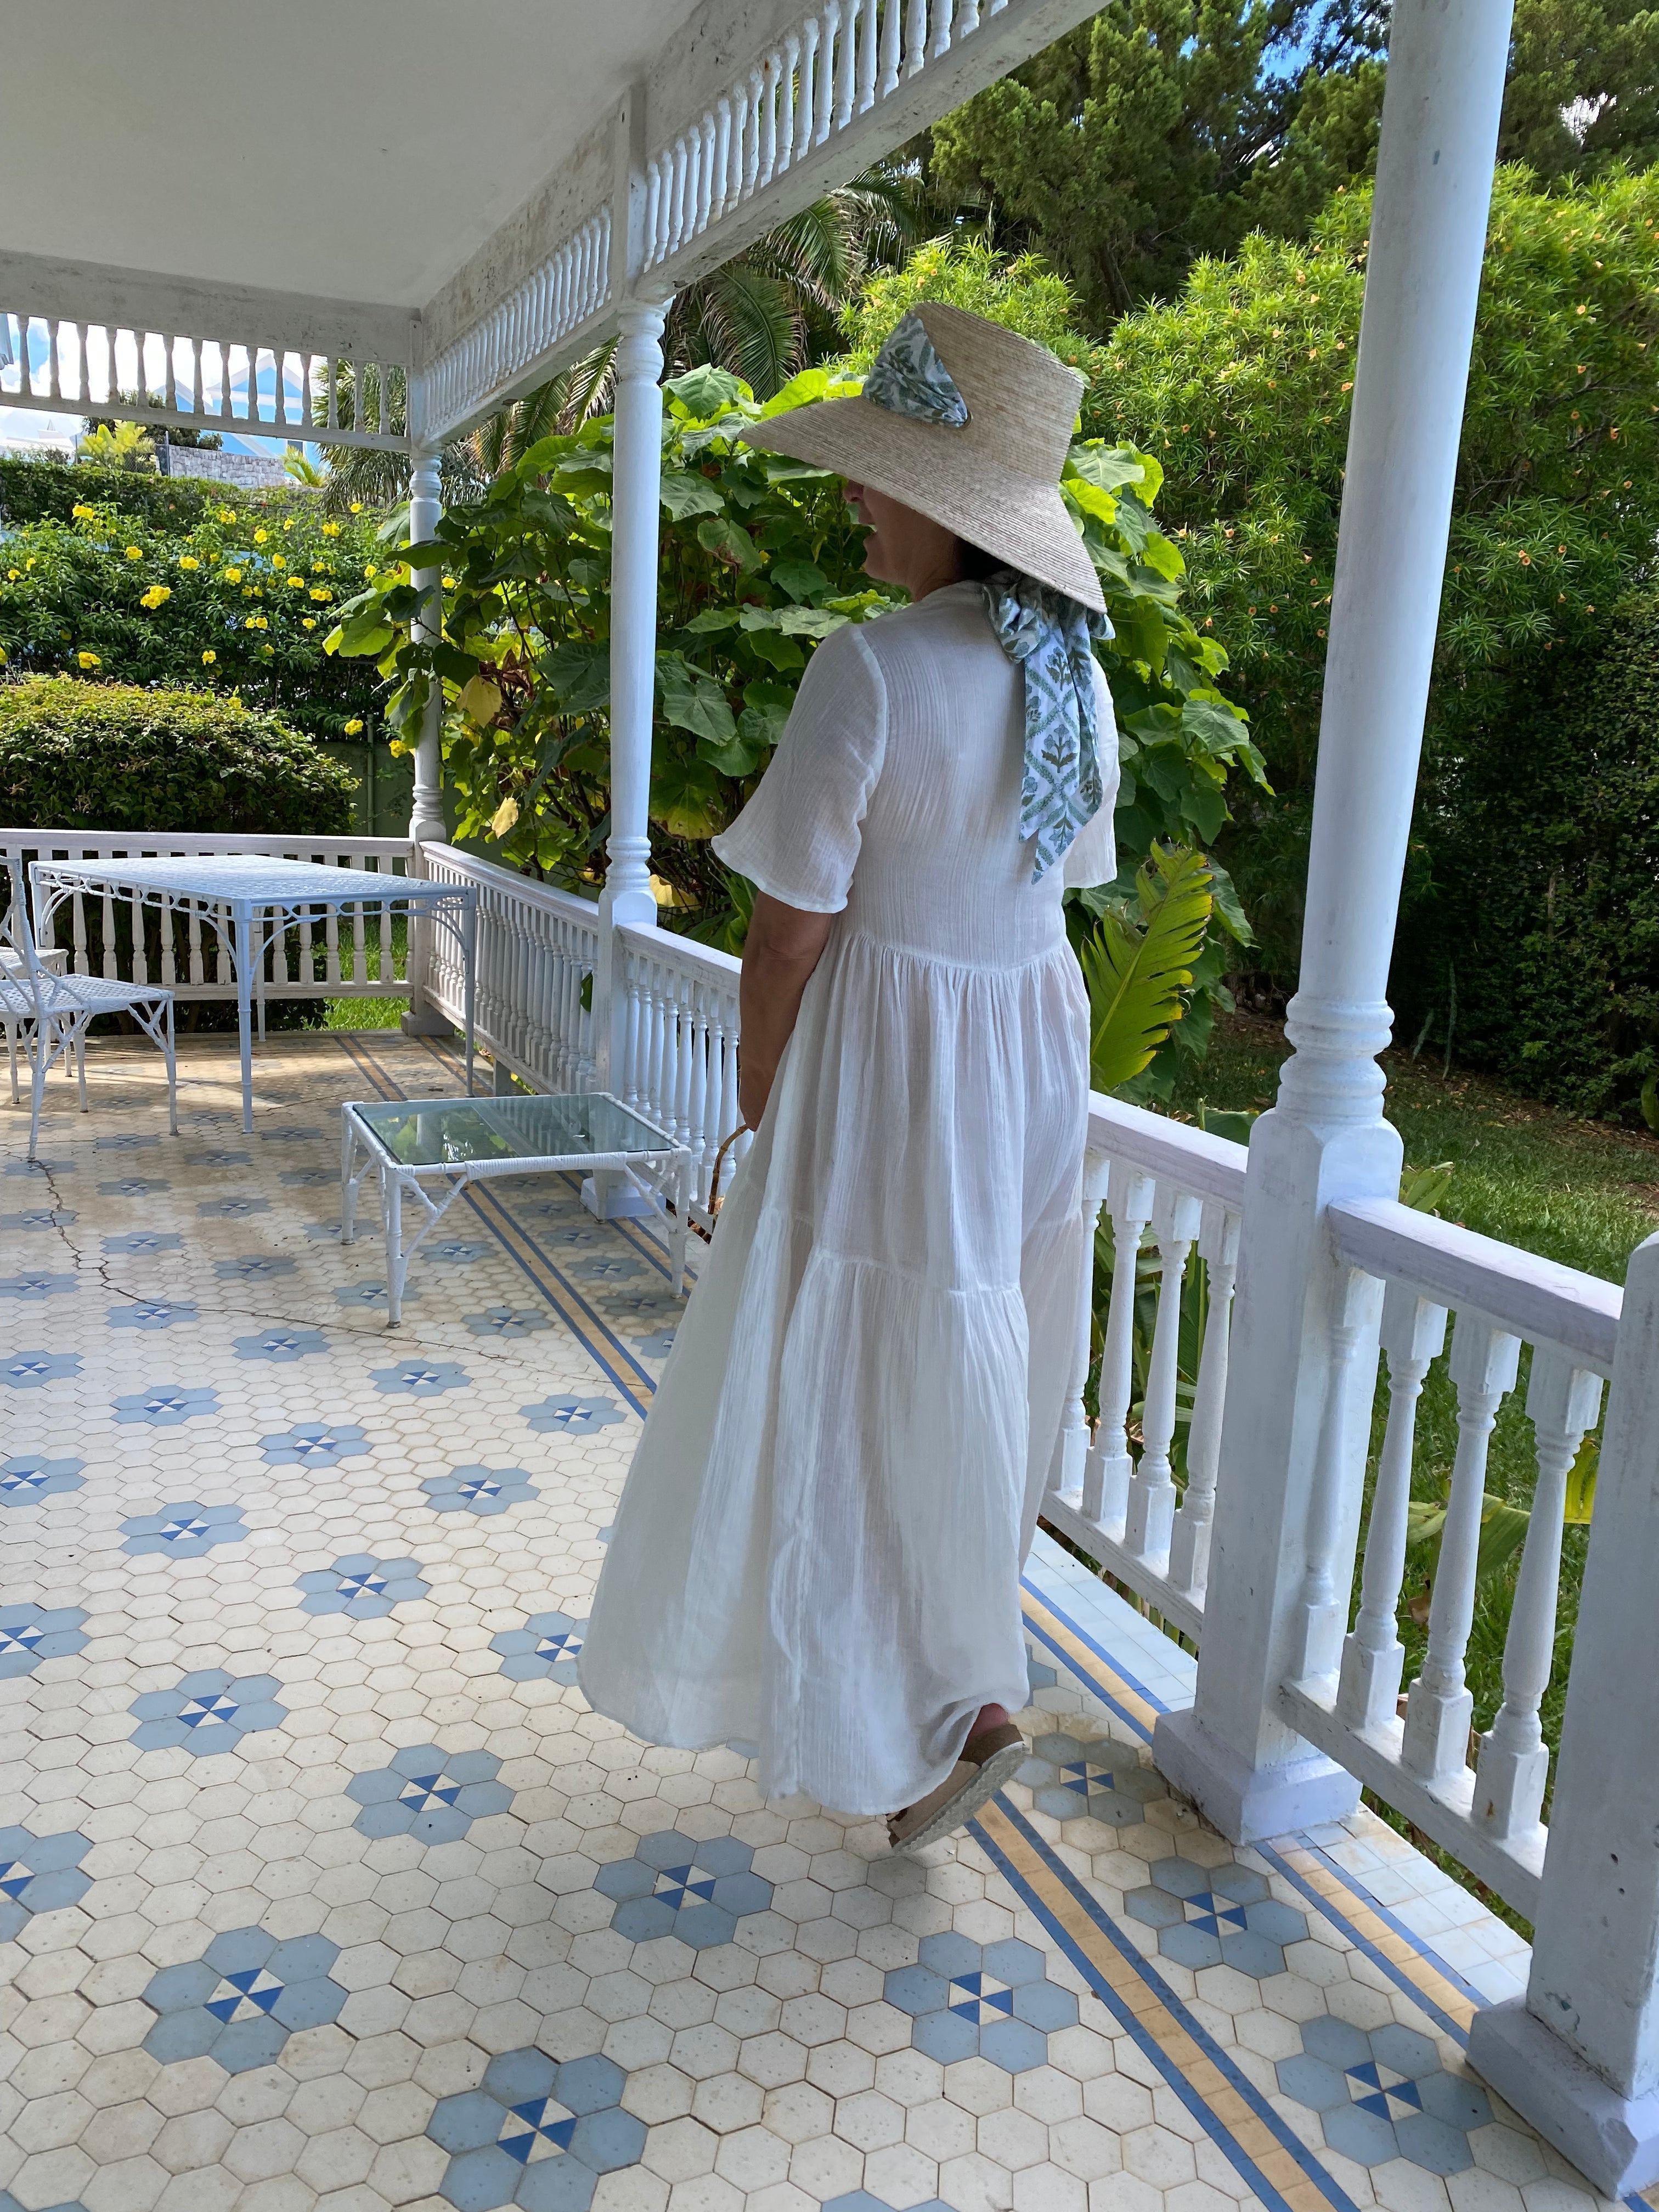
x: 783, y: 946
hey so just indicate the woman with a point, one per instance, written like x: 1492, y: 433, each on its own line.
x: 819, y: 1544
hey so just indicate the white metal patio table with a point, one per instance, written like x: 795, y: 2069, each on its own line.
x: 451, y: 1143
x: 251, y: 902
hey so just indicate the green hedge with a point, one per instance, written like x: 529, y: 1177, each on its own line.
x: 77, y: 756
x: 1531, y: 927
x: 49, y: 492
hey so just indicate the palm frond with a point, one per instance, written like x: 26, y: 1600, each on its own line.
x: 1135, y: 972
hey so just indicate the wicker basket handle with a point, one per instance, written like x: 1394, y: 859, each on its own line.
x: 716, y: 1199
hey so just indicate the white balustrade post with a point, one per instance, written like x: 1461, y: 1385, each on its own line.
x: 1562, y: 1403
x: 1190, y: 1538
x: 1130, y: 1197
x: 1234, y: 1753
x: 1153, y: 1493
x: 1578, y: 2057
x: 1368, y: 1689
x: 426, y: 821
x: 636, y: 498
x: 1071, y: 1444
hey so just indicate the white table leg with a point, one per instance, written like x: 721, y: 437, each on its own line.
x: 391, y: 1205
x: 348, y: 1181
x: 244, y: 1016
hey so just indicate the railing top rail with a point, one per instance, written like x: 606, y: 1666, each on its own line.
x: 1212, y: 1167
x: 510, y: 883
x: 1532, y: 1298
x: 682, y: 953
x: 128, y: 842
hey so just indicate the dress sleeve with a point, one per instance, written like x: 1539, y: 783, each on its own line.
x: 798, y: 839
x: 1092, y: 856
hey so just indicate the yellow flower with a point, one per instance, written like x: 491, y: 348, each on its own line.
x: 356, y: 506
x: 213, y: 553
x: 268, y: 651
x: 157, y: 595
x: 370, y: 571
x: 296, y: 583
x: 226, y: 514
x: 89, y: 660
x: 354, y: 728
x: 12, y: 575
x: 258, y: 621
x: 261, y: 536
x: 289, y: 524
x: 449, y: 583
x: 331, y: 529
x: 310, y: 622
x: 188, y: 561
x: 232, y: 576
x: 321, y: 594
x: 277, y: 561
x: 135, y: 552
x: 82, y: 513
x: 208, y: 658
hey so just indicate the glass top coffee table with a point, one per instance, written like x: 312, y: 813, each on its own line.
x: 433, y: 1148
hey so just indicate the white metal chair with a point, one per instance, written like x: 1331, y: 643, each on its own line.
x: 55, y: 1012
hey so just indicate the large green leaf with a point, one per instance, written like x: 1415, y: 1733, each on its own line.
x: 705, y: 393
x: 686, y: 492
x: 1136, y: 971
x: 728, y: 541
x: 693, y: 701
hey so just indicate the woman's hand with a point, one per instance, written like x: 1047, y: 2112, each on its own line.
x: 783, y: 946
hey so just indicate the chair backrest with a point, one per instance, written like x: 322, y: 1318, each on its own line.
x: 23, y: 967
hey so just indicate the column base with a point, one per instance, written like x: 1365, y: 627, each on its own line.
x: 1613, y: 2140
x: 1247, y: 1803
x: 612, y: 1197
x: 426, y: 1021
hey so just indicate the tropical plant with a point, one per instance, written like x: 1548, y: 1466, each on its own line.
x: 1138, y: 965
x: 118, y: 446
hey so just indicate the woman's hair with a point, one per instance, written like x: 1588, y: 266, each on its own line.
x: 974, y: 565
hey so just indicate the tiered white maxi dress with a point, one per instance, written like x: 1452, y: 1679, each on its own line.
x: 819, y: 1544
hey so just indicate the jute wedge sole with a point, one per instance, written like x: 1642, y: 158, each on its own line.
x: 986, y: 1764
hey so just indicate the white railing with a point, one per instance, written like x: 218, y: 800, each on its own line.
x: 1181, y: 1191
x: 1481, y: 1798
x: 331, y: 957
x: 537, y: 951
x: 680, y: 1049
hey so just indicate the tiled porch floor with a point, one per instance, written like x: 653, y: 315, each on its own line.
x: 322, y: 1888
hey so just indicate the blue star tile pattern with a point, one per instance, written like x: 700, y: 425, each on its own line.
x: 126, y: 1144
x: 455, y: 1252
x: 281, y: 1346
x: 306, y: 1178
x: 242, y: 2000
x: 232, y: 1209
x: 38, y: 1874
x: 27, y: 1371
x: 185, y: 1531
x: 362, y: 1586
x: 1216, y: 1916
x: 206, y: 1711
x: 571, y: 1417
x: 34, y: 1284
x: 421, y: 1378
x: 151, y: 1313
x: 433, y: 1796
x: 30, y: 1634
x: 651, y: 1307
x: 37, y: 1217
x: 657, y: 1345
x: 618, y: 1267
x: 315, y: 1444
x: 372, y: 1294
x: 506, y: 1321
x: 133, y: 1187
x: 288, y: 1134
x: 166, y: 1405
x: 1038, y: 1675
x: 1384, y: 2095
x: 536, y: 2133
x: 142, y: 1240
x: 675, y: 1885
x: 987, y: 1999
x: 482, y: 1490
x: 23, y: 1481
x: 1070, y: 1778
x: 220, y: 1159
x: 39, y: 1167
x: 548, y: 1643
x: 254, y: 1268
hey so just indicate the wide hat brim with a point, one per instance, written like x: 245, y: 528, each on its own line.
x: 937, y: 469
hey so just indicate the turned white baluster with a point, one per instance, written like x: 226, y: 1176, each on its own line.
x: 1322, y: 1604
x: 1368, y: 1690
x: 1439, y: 1706
x: 1153, y: 1493
x: 1130, y: 1197
x: 1071, y: 1444
x: 1562, y: 1403
x: 1189, y: 1537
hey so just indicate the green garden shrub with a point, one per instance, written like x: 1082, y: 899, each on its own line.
x: 83, y: 755
x: 49, y: 492
x: 1531, y: 925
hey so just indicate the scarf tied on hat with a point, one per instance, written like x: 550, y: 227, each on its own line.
x: 1048, y: 634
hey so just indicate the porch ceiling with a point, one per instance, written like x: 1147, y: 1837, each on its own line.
x: 352, y: 152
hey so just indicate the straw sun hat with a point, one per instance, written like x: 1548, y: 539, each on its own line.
x: 993, y: 474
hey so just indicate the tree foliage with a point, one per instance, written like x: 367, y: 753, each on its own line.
x: 1242, y: 388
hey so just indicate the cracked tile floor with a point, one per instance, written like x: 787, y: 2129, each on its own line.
x: 324, y: 1892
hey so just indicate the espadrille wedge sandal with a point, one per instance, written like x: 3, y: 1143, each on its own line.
x: 987, y: 1761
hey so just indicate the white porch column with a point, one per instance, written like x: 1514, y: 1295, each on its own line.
x: 426, y: 821
x: 1248, y: 1770
x: 1579, y: 2056
x: 635, y: 502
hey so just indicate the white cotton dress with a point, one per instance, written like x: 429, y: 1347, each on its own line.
x: 819, y: 1544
